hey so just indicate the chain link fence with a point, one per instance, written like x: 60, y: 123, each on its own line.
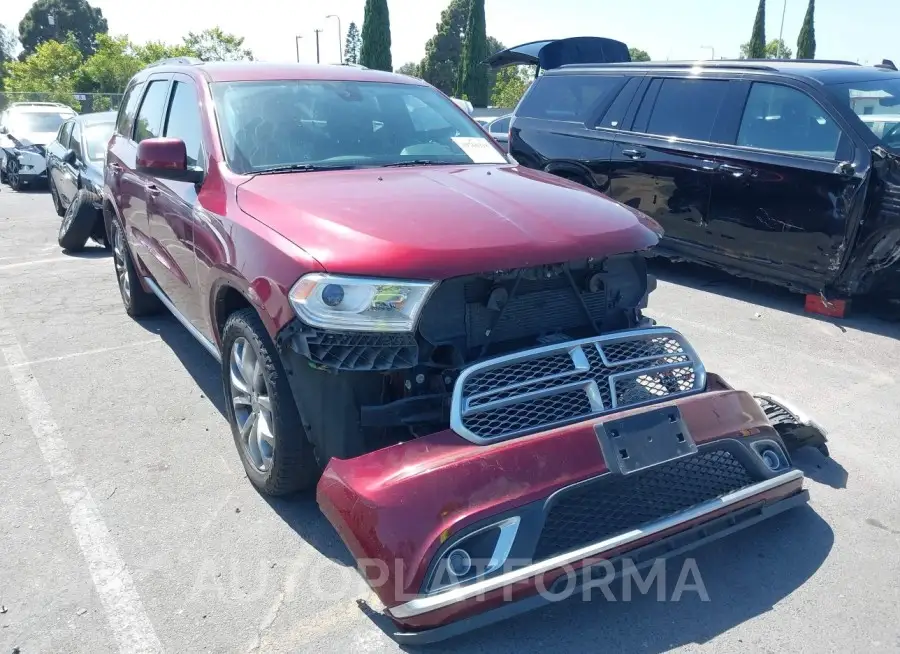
x: 83, y: 103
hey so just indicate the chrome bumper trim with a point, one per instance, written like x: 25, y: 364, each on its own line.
x: 429, y: 603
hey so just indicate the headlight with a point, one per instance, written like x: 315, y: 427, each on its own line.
x: 358, y: 304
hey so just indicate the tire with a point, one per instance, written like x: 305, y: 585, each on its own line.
x: 136, y: 300
x: 12, y: 174
x: 78, y: 223
x: 272, y: 443
x: 55, y: 196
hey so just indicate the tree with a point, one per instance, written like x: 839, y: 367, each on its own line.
x: 638, y: 55
x: 757, y: 47
x: 7, y: 51
x: 512, y: 82
x: 110, y: 67
x: 52, y: 69
x: 410, y: 68
x: 151, y: 51
x: 352, y: 45
x: 215, y: 45
x: 473, y: 77
x: 775, y: 49
x: 806, y: 42
x: 375, y: 51
x: 443, y: 51
x: 68, y: 16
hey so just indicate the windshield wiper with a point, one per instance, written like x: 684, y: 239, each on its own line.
x: 300, y: 168
x: 420, y: 162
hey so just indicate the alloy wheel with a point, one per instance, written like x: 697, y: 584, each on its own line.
x: 252, y: 404
x: 67, y: 220
x: 12, y: 174
x: 121, y: 264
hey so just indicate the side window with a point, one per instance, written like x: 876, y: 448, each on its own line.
x: 784, y: 119
x: 500, y: 126
x: 687, y: 108
x: 65, y: 131
x: 149, y: 116
x: 569, y: 98
x: 184, y: 121
x: 75, y: 142
x: 127, y: 110
x: 617, y: 111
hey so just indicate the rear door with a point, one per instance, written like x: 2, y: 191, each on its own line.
x: 788, y: 176
x: 138, y: 189
x: 55, y: 153
x: 67, y: 183
x: 663, y: 161
x: 172, y: 221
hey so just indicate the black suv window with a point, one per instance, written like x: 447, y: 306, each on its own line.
x: 64, y: 132
x: 184, y: 121
x: 687, y: 108
x: 567, y: 97
x: 149, y: 117
x: 127, y: 110
x: 784, y: 119
x: 75, y: 142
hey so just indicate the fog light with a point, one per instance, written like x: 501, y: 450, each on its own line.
x: 771, y: 459
x: 459, y: 563
x: 333, y: 295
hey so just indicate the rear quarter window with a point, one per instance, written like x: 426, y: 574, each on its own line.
x: 570, y: 98
x: 128, y: 109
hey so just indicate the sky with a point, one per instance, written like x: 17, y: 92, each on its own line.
x: 862, y: 30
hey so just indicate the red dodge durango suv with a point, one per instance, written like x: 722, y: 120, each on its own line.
x: 448, y: 346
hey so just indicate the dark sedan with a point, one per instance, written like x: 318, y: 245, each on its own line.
x: 75, y: 175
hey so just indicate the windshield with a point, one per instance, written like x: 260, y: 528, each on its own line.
x: 21, y: 122
x: 877, y: 103
x: 313, y: 124
x: 96, y: 138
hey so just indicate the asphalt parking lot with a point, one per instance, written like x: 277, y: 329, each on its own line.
x: 127, y: 524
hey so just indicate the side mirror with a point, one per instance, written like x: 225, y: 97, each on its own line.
x: 4, y: 129
x: 69, y: 157
x: 166, y: 158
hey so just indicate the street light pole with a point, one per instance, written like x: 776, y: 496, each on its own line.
x: 711, y: 49
x: 781, y: 31
x: 318, y: 61
x: 297, y: 43
x: 340, y: 37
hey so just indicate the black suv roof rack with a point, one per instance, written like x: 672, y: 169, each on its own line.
x: 749, y: 64
x: 174, y: 61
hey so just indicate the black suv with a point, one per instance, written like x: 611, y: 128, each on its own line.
x: 785, y: 171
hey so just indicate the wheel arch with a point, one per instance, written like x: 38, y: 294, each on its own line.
x: 228, y: 297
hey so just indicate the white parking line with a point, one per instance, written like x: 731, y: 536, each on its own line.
x: 35, y: 262
x: 84, y: 353
x: 125, y: 613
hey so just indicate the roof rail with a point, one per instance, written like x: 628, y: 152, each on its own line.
x: 176, y: 61
x: 745, y: 64
x: 351, y: 65
x: 28, y: 103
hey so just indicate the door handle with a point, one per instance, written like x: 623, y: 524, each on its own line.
x: 734, y: 171
x: 152, y: 190
x: 634, y: 154
x: 115, y: 168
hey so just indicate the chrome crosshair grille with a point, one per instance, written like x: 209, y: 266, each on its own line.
x: 546, y: 387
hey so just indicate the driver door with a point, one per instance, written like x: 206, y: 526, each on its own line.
x: 67, y: 180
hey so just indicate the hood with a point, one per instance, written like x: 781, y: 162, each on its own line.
x: 442, y: 221
x: 32, y: 138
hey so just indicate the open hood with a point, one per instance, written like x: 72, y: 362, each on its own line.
x: 554, y: 53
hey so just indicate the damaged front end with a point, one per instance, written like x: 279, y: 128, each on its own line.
x: 592, y: 453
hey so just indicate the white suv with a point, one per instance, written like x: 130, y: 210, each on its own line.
x: 25, y: 130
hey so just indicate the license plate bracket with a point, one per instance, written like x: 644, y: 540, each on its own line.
x: 645, y: 439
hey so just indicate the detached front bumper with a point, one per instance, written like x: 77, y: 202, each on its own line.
x: 32, y: 164
x: 530, y: 512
